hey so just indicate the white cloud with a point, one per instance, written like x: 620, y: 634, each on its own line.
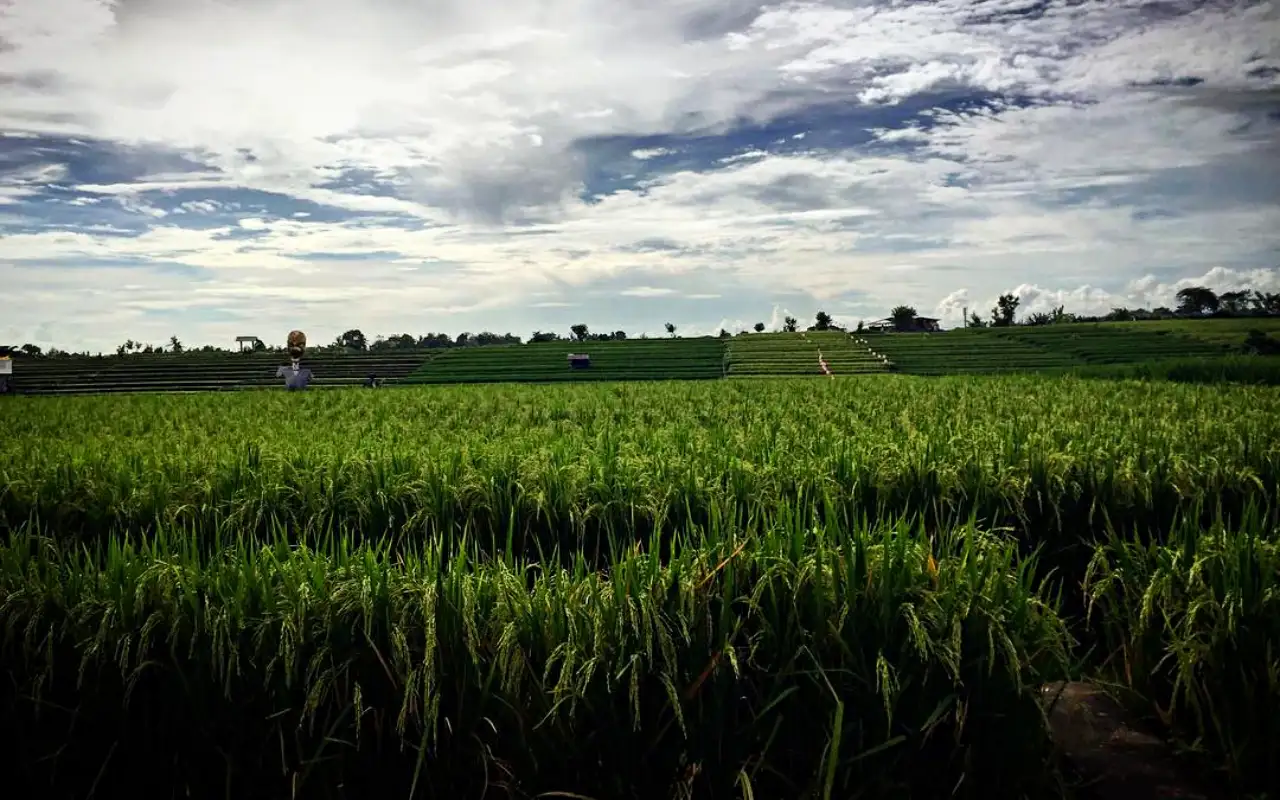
x: 647, y: 291
x: 653, y: 152
x: 1147, y: 292
x: 476, y: 115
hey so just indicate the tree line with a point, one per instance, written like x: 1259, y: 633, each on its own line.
x: 1195, y: 302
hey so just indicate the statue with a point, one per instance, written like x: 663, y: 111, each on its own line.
x: 295, y: 377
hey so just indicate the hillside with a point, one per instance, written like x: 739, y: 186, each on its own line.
x: 957, y: 352
x: 1102, y: 344
x: 972, y: 350
x: 635, y: 359
x: 1225, y: 332
x: 766, y: 354
x: 196, y: 372
x: 1054, y: 346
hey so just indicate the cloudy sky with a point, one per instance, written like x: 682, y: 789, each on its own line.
x: 208, y: 168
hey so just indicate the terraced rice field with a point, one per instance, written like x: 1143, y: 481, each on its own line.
x: 1226, y: 333
x: 965, y: 352
x: 1095, y: 344
x: 752, y: 588
x: 545, y: 362
x: 792, y: 354
x: 199, y: 372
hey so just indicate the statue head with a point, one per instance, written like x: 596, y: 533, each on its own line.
x: 297, y: 344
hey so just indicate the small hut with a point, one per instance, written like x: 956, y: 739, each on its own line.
x: 579, y: 361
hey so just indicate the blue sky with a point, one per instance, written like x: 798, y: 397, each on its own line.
x: 209, y: 169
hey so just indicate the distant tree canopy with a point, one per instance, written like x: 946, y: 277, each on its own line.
x: 1006, y: 309
x: 902, y: 317
x: 1198, y: 301
x: 353, y: 340
x: 1055, y: 317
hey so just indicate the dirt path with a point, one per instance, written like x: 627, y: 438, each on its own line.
x: 1109, y: 756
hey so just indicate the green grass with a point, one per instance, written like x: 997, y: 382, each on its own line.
x: 794, y: 354
x: 544, y: 362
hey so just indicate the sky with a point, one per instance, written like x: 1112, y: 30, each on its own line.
x: 208, y: 169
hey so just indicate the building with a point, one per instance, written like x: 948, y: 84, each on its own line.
x: 916, y: 325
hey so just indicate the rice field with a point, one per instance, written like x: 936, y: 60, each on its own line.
x: 749, y: 588
x: 698, y: 358
x: 1227, y: 333
x: 795, y: 354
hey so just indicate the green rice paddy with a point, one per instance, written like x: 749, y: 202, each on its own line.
x: 749, y: 588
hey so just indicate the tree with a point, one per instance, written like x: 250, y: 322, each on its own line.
x: 860, y: 326
x: 976, y: 321
x: 789, y: 324
x: 619, y: 336
x: 1234, y: 302
x: 822, y: 321
x: 579, y: 331
x: 1197, y: 300
x: 174, y: 344
x: 903, y: 318
x: 1266, y: 302
x: 27, y: 350
x: 723, y: 334
x: 1055, y: 317
x: 1003, y: 314
x: 759, y: 326
x: 353, y: 340
x: 671, y: 329
x: 400, y: 341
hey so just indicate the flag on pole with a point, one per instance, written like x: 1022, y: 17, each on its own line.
x: 822, y: 363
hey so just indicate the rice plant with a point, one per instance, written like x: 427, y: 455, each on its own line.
x: 755, y: 588
x: 1193, y: 627
x: 794, y: 662
x: 573, y: 466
